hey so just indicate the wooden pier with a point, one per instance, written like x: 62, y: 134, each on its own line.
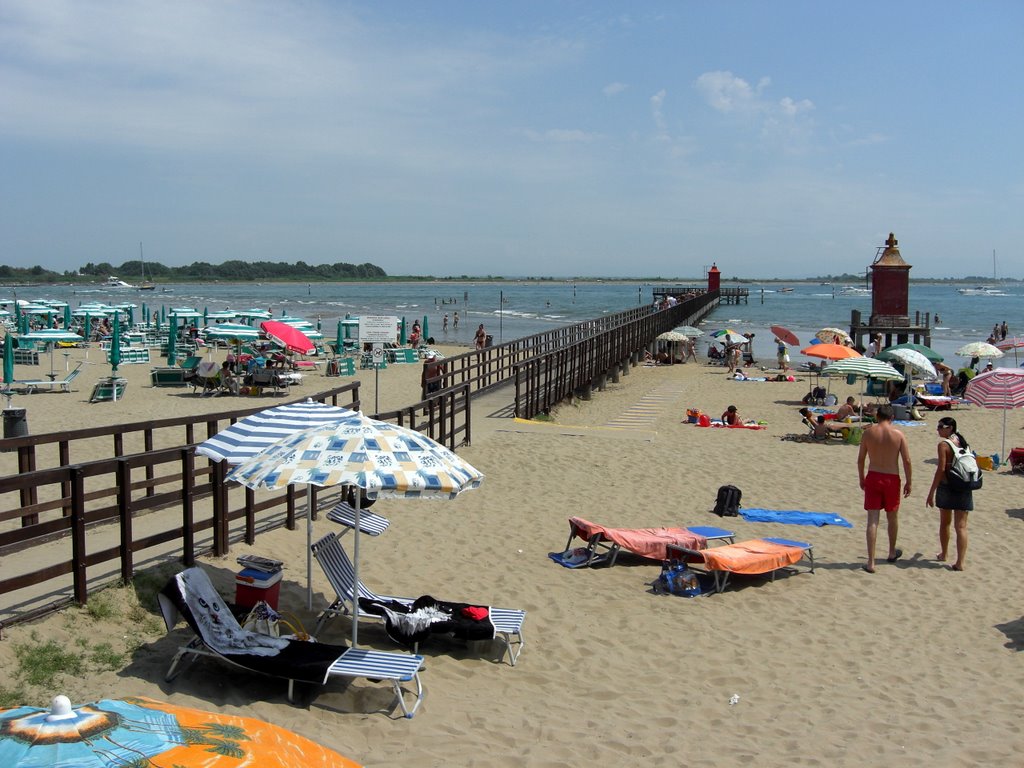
x: 725, y: 295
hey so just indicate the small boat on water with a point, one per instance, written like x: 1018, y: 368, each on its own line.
x: 785, y: 290
x: 115, y: 282
x: 980, y: 290
x: 854, y: 290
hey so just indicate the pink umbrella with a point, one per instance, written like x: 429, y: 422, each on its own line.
x: 1002, y: 389
x: 288, y: 337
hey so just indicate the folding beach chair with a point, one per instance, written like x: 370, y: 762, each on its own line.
x: 604, y: 544
x: 191, y: 595
x: 62, y: 384
x: 108, y: 389
x: 507, y: 622
x: 754, y: 557
x: 369, y: 522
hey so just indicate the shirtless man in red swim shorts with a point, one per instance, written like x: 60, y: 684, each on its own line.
x: 884, y: 447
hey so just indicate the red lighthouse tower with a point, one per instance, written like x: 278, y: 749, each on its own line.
x: 890, y: 286
x: 714, y: 278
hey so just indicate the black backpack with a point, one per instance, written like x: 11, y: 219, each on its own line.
x: 728, y: 502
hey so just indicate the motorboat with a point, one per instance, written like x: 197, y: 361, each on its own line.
x: 116, y: 282
x: 854, y: 290
x: 980, y: 290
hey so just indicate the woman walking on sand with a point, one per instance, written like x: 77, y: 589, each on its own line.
x: 953, y: 504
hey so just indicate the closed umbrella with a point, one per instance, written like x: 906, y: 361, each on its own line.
x: 67, y: 316
x: 172, y: 336
x: 8, y: 366
x: 385, y: 460
x: 426, y: 329
x: 401, y: 332
x: 115, y: 354
x: 1000, y: 388
x: 339, y: 343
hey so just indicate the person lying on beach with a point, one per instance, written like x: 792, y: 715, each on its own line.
x: 731, y: 417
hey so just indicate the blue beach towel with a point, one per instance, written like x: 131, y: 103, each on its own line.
x: 793, y: 517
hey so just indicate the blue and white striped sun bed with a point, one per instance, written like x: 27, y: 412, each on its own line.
x: 369, y: 523
x: 508, y: 622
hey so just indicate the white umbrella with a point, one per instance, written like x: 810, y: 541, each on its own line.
x: 672, y: 336
x: 828, y: 336
x: 689, y: 330
x: 249, y: 436
x: 383, y: 459
x: 51, y: 336
x: 979, y: 349
x: 914, y: 361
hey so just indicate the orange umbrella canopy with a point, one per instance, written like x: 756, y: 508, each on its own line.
x: 830, y: 351
x: 142, y: 731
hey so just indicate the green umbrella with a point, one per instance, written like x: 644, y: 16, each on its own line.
x: 171, y: 359
x: 931, y: 354
x: 67, y: 317
x: 206, y: 314
x: 131, y: 316
x: 340, y: 344
x: 401, y: 332
x: 115, y: 345
x: 163, y: 313
x: 426, y: 329
x: 145, y: 314
x: 8, y: 366
x: 8, y: 359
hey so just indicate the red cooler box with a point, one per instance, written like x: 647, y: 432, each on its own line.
x: 252, y: 585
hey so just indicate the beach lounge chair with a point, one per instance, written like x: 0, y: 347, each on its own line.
x: 369, y: 523
x: 62, y: 384
x: 106, y: 389
x: 405, y: 356
x: 507, y: 622
x: 191, y: 595
x: 754, y: 557
x: 604, y: 544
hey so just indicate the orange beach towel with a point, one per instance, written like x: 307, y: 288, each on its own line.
x: 646, y: 542
x: 751, y: 557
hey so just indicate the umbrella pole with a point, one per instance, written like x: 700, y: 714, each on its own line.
x: 355, y: 569
x: 309, y: 549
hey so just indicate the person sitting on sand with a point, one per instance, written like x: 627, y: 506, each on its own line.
x: 731, y: 417
x: 847, y: 410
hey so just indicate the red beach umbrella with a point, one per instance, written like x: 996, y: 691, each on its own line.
x: 786, y: 335
x: 288, y: 337
x: 999, y: 389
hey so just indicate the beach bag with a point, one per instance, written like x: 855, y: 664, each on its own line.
x: 728, y: 502
x: 963, y: 474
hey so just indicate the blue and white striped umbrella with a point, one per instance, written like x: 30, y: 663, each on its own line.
x: 383, y: 459
x: 258, y: 431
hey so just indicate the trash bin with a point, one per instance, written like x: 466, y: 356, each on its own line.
x: 489, y: 341
x: 15, y: 422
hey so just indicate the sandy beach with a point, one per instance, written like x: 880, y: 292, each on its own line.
x: 914, y: 665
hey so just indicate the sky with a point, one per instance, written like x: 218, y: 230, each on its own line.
x: 554, y: 138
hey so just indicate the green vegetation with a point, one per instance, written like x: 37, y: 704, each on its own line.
x: 199, y: 271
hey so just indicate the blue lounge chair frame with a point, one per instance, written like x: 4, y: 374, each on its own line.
x: 333, y: 660
x: 508, y: 622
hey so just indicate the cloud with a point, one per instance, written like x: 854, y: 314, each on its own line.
x: 614, y: 89
x: 727, y: 93
x: 657, y: 102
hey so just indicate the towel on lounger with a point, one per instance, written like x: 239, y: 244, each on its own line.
x: 793, y: 517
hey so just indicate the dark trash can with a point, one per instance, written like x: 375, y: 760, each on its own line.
x: 15, y: 422
x: 489, y: 341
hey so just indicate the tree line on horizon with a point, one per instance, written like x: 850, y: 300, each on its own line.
x: 198, y: 271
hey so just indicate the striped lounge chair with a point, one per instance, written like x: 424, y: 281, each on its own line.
x: 191, y: 595
x: 508, y: 622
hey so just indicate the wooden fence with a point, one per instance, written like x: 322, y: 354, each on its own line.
x: 90, y: 522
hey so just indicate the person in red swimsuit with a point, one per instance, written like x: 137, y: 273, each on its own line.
x: 883, y: 447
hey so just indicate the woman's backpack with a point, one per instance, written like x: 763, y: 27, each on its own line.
x: 963, y: 474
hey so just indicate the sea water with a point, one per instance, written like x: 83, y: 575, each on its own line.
x: 512, y: 309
